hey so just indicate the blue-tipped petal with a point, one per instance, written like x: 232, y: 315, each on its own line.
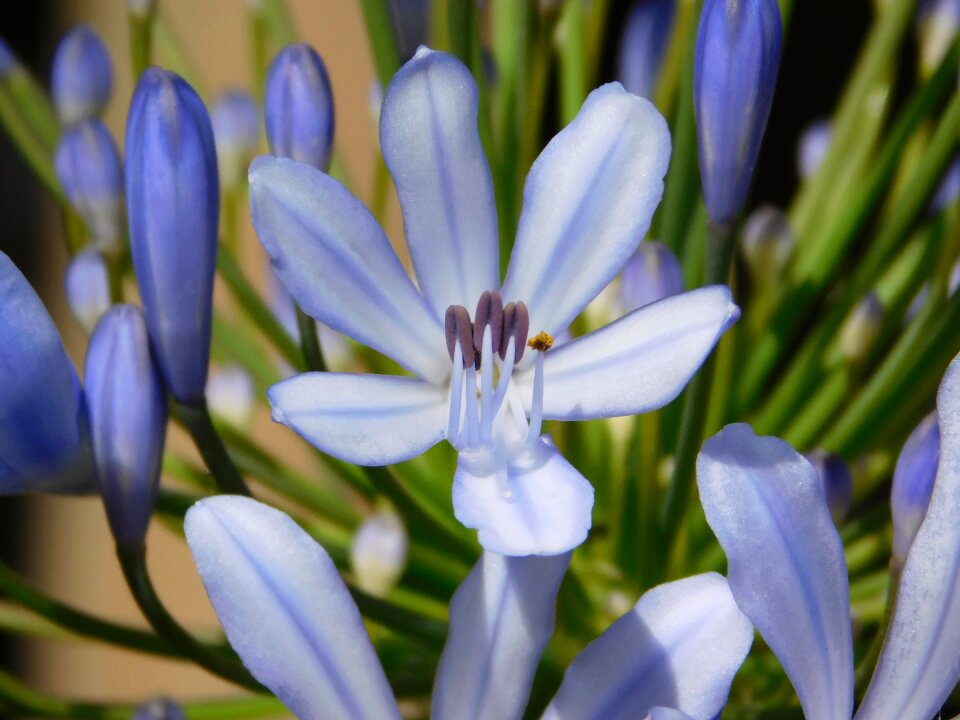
x: 363, y: 419
x: 501, y: 618
x: 333, y: 257
x: 636, y: 364
x: 44, y: 438
x: 537, y: 504
x: 653, y: 273
x: 918, y: 667
x: 679, y: 647
x: 913, y: 481
x: 298, y: 107
x: 430, y: 142
x: 785, y: 561
x: 82, y: 77
x: 643, y: 45
x: 88, y: 167
x: 173, y: 198
x: 587, y: 204
x: 286, y: 611
x: 88, y: 288
x: 128, y: 420
x: 236, y: 129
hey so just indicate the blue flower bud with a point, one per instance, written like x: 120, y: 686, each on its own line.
x: 236, y: 129
x: 652, y: 274
x: 949, y: 188
x: 88, y: 167
x: 913, y: 483
x: 88, y: 288
x: 44, y: 438
x: 8, y: 61
x: 835, y: 481
x: 644, y: 44
x: 159, y: 709
x: 862, y: 328
x: 82, y: 76
x: 735, y: 73
x: 173, y: 204
x: 378, y: 554
x: 141, y: 8
x: 298, y: 107
x: 767, y: 243
x: 937, y: 23
x: 812, y: 147
x: 231, y: 395
x: 128, y: 420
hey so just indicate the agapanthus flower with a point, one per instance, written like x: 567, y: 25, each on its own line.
x: 290, y: 617
x: 788, y: 574
x: 486, y: 376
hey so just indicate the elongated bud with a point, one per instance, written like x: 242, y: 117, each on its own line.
x: 88, y: 288
x: 767, y: 243
x: 835, y: 481
x: 643, y: 45
x: 88, y: 167
x: 173, y: 203
x: 861, y: 328
x: 82, y: 76
x: 913, y: 483
x: 735, y: 74
x: 812, y: 147
x: 231, y: 395
x: 159, y: 709
x: 653, y: 273
x: 378, y: 555
x: 236, y: 128
x: 44, y: 437
x: 298, y: 107
x: 937, y: 23
x: 128, y: 419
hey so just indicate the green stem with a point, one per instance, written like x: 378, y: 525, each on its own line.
x: 141, y: 35
x: 379, y: 24
x: 310, y: 342
x: 407, y: 622
x: 133, y: 561
x: 196, y: 418
x: 21, y: 133
x: 573, y: 74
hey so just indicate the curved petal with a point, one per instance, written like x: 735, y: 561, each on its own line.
x: 536, y: 504
x: 785, y: 560
x: 638, y: 363
x: 919, y: 664
x: 662, y: 713
x: 501, y: 618
x: 286, y: 610
x: 333, y: 257
x: 679, y: 647
x: 430, y: 142
x: 363, y: 419
x: 587, y: 204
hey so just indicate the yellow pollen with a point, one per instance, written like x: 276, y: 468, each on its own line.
x: 541, y: 341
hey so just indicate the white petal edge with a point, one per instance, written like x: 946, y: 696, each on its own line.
x: 679, y: 647
x: 785, y: 561
x: 501, y: 618
x: 920, y: 662
x: 333, y: 257
x: 431, y: 144
x: 546, y: 509
x: 636, y: 364
x: 286, y: 611
x: 587, y: 204
x: 362, y: 419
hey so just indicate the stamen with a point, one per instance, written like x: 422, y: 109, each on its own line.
x: 536, y: 403
x: 506, y: 370
x: 456, y: 398
x: 486, y: 386
x: 459, y: 332
x: 503, y: 483
x: 489, y: 314
x: 516, y: 325
x: 541, y: 342
x: 473, y: 431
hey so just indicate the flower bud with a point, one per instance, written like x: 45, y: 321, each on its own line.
x: 173, y: 202
x: 88, y: 288
x: 644, y: 44
x: 913, y: 481
x: 128, y: 421
x: 236, y: 129
x: 44, y: 437
x: 8, y: 61
x: 949, y: 188
x: 862, y: 328
x: 937, y: 23
x: 813, y: 146
x: 82, y: 76
x: 298, y: 107
x: 378, y: 555
x: 653, y: 273
x: 231, y: 395
x: 835, y: 481
x: 735, y: 73
x: 141, y: 8
x: 767, y: 243
x: 88, y: 167
x: 159, y: 709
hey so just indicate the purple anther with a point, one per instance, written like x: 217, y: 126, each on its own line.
x: 489, y: 312
x: 516, y: 325
x: 457, y: 326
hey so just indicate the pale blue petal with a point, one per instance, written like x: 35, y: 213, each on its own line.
x: 286, y: 611
x: 501, y: 618
x: 537, y: 504
x: 333, y: 257
x: 785, y: 561
x: 920, y: 662
x: 662, y: 713
x: 636, y: 364
x: 430, y: 142
x: 363, y: 419
x: 587, y: 205
x: 679, y: 647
